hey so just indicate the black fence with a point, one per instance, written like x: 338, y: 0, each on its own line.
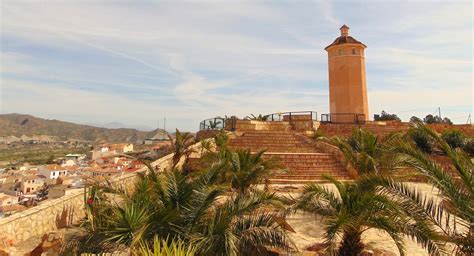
x: 288, y: 116
x: 219, y: 123
x: 356, y: 118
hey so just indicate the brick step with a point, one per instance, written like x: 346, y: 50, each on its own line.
x: 267, y: 138
x: 314, y: 171
x: 281, y: 145
x: 303, y: 157
x: 309, y: 161
x: 265, y: 131
x: 267, y: 135
x: 311, y: 168
x: 308, y: 177
x: 277, y: 149
x: 259, y: 140
x: 290, y: 181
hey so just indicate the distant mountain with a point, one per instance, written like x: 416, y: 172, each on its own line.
x: 29, y: 126
x: 117, y: 125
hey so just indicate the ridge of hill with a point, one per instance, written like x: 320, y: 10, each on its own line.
x: 28, y: 126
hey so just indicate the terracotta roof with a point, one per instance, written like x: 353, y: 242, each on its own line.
x: 53, y: 167
x: 12, y: 208
x: 345, y: 40
x: 5, y: 197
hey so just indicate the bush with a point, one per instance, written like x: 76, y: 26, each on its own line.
x: 384, y: 116
x: 430, y: 119
x: 469, y: 146
x: 421, y: 140
x: 415, y: 119
x: 317, y: 134
x: 453, y: 137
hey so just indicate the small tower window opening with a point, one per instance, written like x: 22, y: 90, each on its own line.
x: 341, y: 51
x: 355, y: 51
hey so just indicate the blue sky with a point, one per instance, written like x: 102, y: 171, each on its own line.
x: 135, y: 62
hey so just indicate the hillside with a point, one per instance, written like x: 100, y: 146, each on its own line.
x: 19, y: 125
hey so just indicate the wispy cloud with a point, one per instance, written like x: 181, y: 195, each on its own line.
x: 136, y: 61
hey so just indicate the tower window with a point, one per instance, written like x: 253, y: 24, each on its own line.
x: 354, y: 51
x: 341, y: 51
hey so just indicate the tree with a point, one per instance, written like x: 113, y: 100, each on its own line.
x: 454, y: 138
x: 159, y: 247
x: 192, y: 210
x: 181, y: 146
x: 246, y: 169
x: 260, y: 117
x: 384, y: 116
x: 456, y: 190
x: 415, y: 119
x: 430, y: 119
x: 421, y: 139
x: 364, y: 152
x: 214, y: 124
x: 357, y: 207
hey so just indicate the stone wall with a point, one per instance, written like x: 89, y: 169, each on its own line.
x: 385, y: 128
x: 61, y: 212
x: 379, y: 128
x: 252, y: 125
x: 467, y: 129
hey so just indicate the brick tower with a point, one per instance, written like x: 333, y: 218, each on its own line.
x: 347, y: 86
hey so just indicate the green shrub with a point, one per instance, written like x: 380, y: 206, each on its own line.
x: 174, y: 247
x: 469, y: 146
x: 317, y: 134
x: 454, y: 138
x: 384, y: 116
x: 421, y: 140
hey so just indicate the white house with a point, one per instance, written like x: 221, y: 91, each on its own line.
x: 52, y: 171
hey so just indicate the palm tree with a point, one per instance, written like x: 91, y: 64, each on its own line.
x: 214, y: 124
x: 240, y: 226
x: 365, y: 152
x: 354, y: 208
x: 160, y: 247
x: 220, y: 152
x: 247, y: 169
x: 193, y: 210
x: 455, y: 214
x: 260, y: 117
x: 181, y: 146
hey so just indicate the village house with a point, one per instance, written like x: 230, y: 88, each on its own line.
x: 7, y: 199
x: 106, y: 150
x: 73, y: 159
x: 107, y: 172
x: 52, y: 171
x: 77, y: 181
x: 31, y: 184
x: 10, y: 184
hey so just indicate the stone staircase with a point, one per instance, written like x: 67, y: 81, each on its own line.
x: 303, y: 160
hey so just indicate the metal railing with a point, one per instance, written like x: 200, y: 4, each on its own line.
x: 356, y: 118
x: 289, y: 116
x: 216, y: 123
x: 230, y: 123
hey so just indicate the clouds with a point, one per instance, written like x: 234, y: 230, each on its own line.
x: 193, y: 60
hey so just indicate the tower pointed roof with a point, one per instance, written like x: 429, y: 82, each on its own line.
x: 345, y: 38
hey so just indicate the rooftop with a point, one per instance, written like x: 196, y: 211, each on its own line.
x: 345, y: 38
